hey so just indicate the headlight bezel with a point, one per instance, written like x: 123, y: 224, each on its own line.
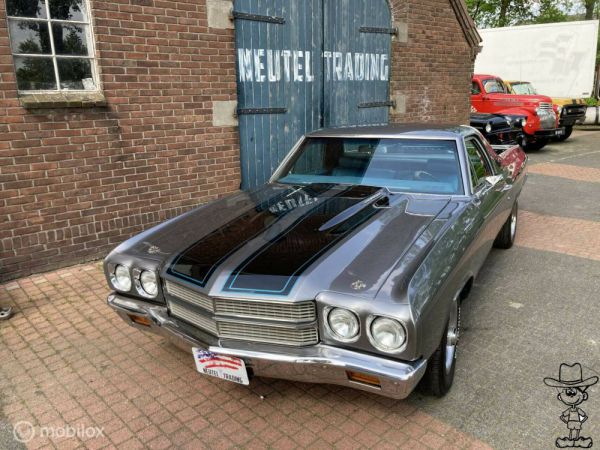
x: 138, y: 272
x: 332, y: 309
x: 369, y: 326
x: 114, y: 279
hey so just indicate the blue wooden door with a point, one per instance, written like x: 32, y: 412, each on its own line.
x: 304, y: 65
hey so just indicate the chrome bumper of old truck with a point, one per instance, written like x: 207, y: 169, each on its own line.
x: 314, y: 364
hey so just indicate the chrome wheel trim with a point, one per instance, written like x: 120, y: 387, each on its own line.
x: 452, y: 335
x: 513, y: 225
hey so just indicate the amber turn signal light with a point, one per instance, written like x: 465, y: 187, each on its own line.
x: 140, y: 320
x: 363, y: 378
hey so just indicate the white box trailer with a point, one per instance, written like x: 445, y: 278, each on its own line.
x: 558, y: 58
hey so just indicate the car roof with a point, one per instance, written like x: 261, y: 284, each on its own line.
x: 484, y: 75
x: 427, y: 131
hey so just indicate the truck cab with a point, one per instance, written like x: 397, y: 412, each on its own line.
x: 570, y: 110
x: 489, y: 94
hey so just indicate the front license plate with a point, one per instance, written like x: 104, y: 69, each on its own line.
x: 560, y: 132
x: 224, y: 367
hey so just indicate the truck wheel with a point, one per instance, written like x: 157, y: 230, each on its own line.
x: 568, y: 132
x: 538, y: 144
x: 506, y: 236
x: 439, y: 374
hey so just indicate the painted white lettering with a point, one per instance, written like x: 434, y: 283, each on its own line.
x: 259, y: 66
x: 374, y: 66
x: 309, y: 76
x: 359, y: 66
x: 338, y: 64
x: 271, y: 67
x: 348, y: 69
x: 298, y: 66
x: 327, y: 56
x: 385, y: 69
x: 286, y: 64
x: 245, y: 64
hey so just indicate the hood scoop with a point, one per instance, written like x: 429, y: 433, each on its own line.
x: 379, y: 199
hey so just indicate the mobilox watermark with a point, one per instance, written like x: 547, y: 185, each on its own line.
x: 25, y: 431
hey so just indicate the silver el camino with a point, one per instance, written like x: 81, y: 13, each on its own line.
x: 348, y: 267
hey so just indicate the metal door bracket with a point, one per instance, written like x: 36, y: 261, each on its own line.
x: 388, y: 103
x: 246, y: 111
x: 238, y: 15
x: 393, y: 31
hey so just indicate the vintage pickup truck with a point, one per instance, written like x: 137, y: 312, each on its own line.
x: 348, y: 267
x: 489, y: 94
x: 570, y: 110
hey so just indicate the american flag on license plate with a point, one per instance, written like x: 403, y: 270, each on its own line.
x: 211, y: 360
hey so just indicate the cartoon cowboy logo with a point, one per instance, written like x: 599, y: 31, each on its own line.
x: 572, y: 392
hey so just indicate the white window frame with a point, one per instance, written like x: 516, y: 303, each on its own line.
x: 53, y: 56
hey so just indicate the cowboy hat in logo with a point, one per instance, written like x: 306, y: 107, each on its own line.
x: 572, y: 392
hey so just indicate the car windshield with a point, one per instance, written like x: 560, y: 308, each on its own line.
x: 523, y: 88
x: 402, y: 165
x: 493, y: 86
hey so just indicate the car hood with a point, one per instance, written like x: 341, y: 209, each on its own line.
x: 289, y: 242
x: 520, y: 100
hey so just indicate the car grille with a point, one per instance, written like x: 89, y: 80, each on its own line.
x: 268, y: 334
x: 281, y: 323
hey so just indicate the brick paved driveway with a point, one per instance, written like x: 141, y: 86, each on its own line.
x: 66, y: 360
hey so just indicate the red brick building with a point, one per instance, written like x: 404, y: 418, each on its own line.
x: 115, y: 115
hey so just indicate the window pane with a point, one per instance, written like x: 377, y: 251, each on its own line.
x: 75, y: 74
x: 26, y: 8
x: 34, y: 73
x: 70, y: 39
x: 68, y: 10
x: 478, y: 164
x: 29, y: 37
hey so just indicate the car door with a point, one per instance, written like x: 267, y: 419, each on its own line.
x: 488, y: 186
x: 477, y: 97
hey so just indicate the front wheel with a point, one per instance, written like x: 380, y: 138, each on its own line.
x: 441, y: 365
x: 508, y: 232
x: 538, y: 144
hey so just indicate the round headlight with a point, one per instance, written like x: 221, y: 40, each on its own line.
x: 488, y: 128
x: 386, y: 334
x: 343, y: 323
x: 523, y: 122
x: 148, y: 283
x: 121, y: 279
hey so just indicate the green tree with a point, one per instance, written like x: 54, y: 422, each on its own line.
x: 499, y: 13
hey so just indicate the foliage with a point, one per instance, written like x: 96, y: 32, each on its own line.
x: 502, y: 13
x: 592, y: 102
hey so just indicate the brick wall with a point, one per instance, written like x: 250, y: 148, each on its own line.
x: 432, y: 70
x: 74, y: 182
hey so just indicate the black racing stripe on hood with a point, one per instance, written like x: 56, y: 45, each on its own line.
x: 199, y: 261
x: 276, y: 267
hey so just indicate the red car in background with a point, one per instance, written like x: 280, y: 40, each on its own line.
x: 489, y: 94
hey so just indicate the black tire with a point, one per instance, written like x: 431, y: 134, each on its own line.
x: 538, y: 144
x: 564, y: 137
x: 506, y: 236
x: 441, y: 365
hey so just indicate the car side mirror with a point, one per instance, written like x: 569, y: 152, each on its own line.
x: 494, y: 179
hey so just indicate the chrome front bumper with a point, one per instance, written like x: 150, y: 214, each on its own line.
x: 314, y: 364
